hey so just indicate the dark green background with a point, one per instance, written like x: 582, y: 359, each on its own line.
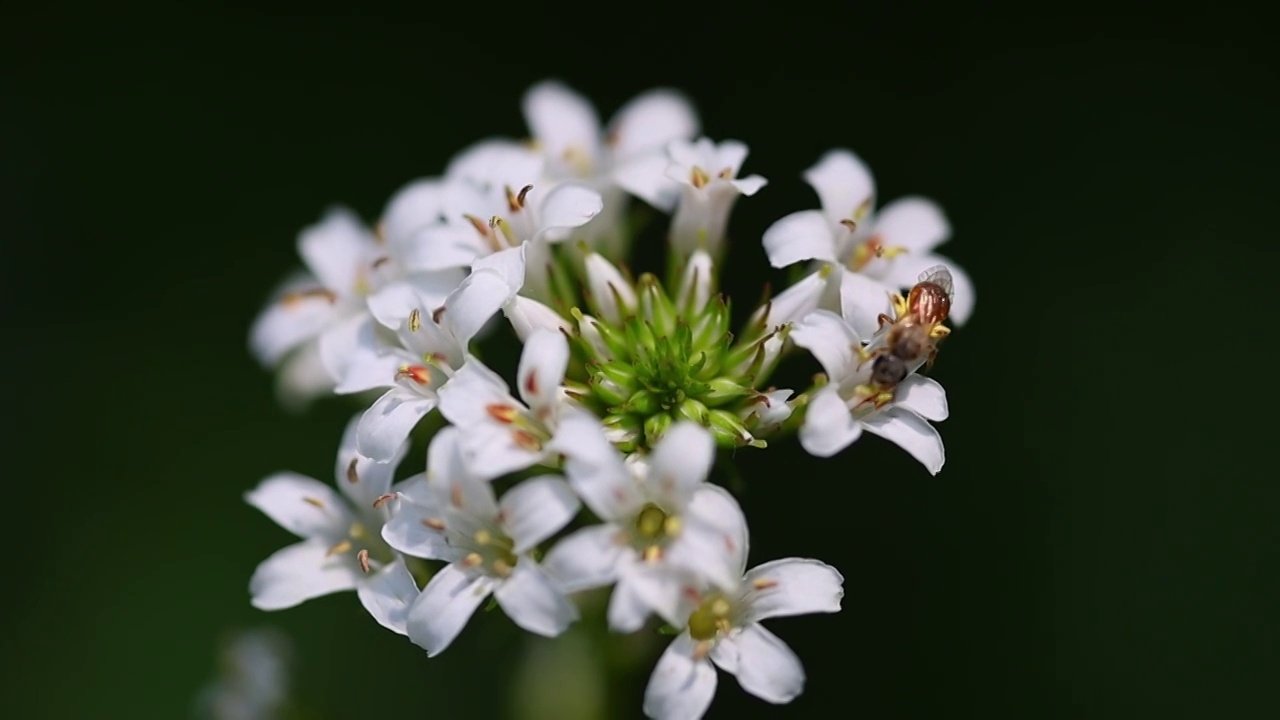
x: 1103, y: 541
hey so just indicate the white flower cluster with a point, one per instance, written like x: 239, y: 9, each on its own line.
x: 592, y: 468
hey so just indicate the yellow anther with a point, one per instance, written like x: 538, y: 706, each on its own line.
x: 472, y: 560
x: 352, y: 476
x: 313, y: 501
x: 764, y: 583
x: 501, y: 568
x: 415, y: 320
x: 483, y: 537
x: 725, y: 174
x: 672, y: 526
x: 701, y: 650
x: 652, y: 554
x: 434, y: 523
x: 864, y: 208
x: 342, y: 547
x: 937, y: 332
x: 357, y: 531
x: 699, y: 178
x: 720, y: 607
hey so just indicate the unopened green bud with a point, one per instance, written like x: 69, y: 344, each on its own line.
x: 642, y: 402
x: 656, y: 307
x: 729, y: 423
x: 723, y: 390
x: 693, y: 410
x: 607, y: 390
x: 655, y: 426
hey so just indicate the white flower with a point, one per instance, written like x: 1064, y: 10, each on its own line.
x: 500, y: 433
x: 450, y: 514
x: 699, y: 180
x: 723, y: 627
x: 661, y: 520
x: 613, y: 295
x: 890, y: 247
x: 841, y: 410
x: 254, y: 679
x: 567, y: 132
x: 342, y: 547
x: 432, y: 344
x: 352, y: 276
x: 498, y: 199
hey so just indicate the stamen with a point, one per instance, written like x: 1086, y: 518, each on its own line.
x: 415, y: 320
x: 501, y: 568
x: 417, y: 373
x: 701, y: 650
x: 356, y: 530
x: 524, y: 193
x: 726, y: 174
x: 699, y: 178
x: 850, y: 223
x: 313, y: 501
x: 525, y: 440
x: 363, y: 557
x: 652, y: 554
x: 764, y: 583
x: 513, y: 202
x: 672, y: 526
x: 434, y: 523
x: 437, y: 314
x: 481, y: 226
x: 531, y: 383
x: 352, y: 476
x: 472, y: 560
x: 298, y: 296
x: 342, y: 547
x: 483, y: 537
x: 380, y: 262
x: 383, y: 500
x: 455, y: 495
x: 504, y: 414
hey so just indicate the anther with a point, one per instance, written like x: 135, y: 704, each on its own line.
x: 672, y: 526
x: 437, y: 314
x: 313, y: 501
x: 764, y: 583
x: 531, y: 383
x: 298, y: 296
x: 525, y: 440
x: 480, y: 225
x: 344, y: 546
x: 726, y: 174
x: 363, y: 557
x: 417, y: 373
x: 483, y: 537
x: 472, y: 560
x: 699, y: 178
x: 383, y: 500
x: 652, y: 554
x: 702, y: 650
x: 850, y: 223
x: 501, y: 568
x: 504, y: 414
x: 513, y: 202
x: 380, y: 262
x: 524, y: 193
x: 434, y: 523
x: 353, y: 477
x: 415, y: 320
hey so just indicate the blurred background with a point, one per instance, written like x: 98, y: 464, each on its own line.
x: 1104, y: 539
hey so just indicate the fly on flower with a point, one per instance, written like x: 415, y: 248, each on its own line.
x: 913, y: 336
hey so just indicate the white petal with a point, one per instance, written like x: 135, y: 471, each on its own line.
x: 528, y: 316
x: 444, y: 606
x: 413, y: 207
x: 387, y: 595
x: 828, y: 426
x: 569, y: 205
x: 534, y: 602
x: 393, y: 303
x: 298, y: 573
x: 469, y: 307
x: 536, y: 509
x: 440, y: 247
x: 386, y: 425
x: 730, y: 154
x: 915, y: 223
x: 561, y: 120
x: 509, y: 264
x: 792, y: 586
x: 804, y: 235
x: 471, y: 389
x: 336, y: 248
x: 594, y: 466
x: 843, y: 183
x: 587, y: 558
x: 289, y: 320
x: 680, y: 687
x: 361, y: 479
x: 679, y: 463
x: 764, y: 665
x: 922, y: 396
x: 651, y: 120
x: 796, y: 301
x: 496, y: 163
x: 340, y: 344
x: 407, y: 532
x: 830, y: 339
x: 910, y: 432
x: 862, y: 301
x: 660, y: 587
x: 373, y: 367
x: 646, y: 178
x: 749, y: 185
x: 542, y: 367
x: 627, y: 610
x: 964, y: 300
x: 301, y: 378
x: 301, y: 505
x: 713, y: 541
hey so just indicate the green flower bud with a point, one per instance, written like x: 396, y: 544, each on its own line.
x: 655, y: 426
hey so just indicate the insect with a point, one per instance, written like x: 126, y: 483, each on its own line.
x: 912, y: 337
